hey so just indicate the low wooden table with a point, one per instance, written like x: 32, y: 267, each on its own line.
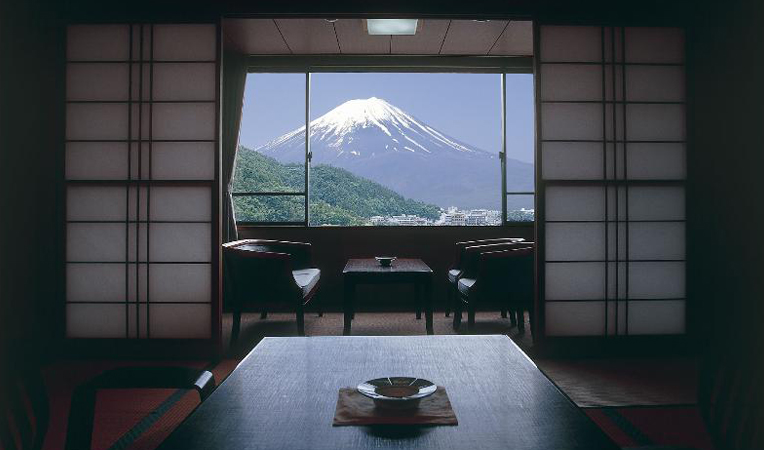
x: 403, y: 270
x: 284, y: 394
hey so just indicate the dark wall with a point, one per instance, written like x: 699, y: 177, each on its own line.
x: 31, y: 93
x: 726, y: 162
x: 332, y: 246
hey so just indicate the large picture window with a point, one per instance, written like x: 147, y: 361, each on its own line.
x: 386, y: 149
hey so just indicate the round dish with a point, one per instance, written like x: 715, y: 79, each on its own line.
x: 397, y: 392
x: 385, y: 261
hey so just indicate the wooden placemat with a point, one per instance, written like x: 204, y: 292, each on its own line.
x: 353, y: 408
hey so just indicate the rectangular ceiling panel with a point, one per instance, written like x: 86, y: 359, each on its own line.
x: 255, y: 36
x: 309, y: 36
x: 427, y: 40
x: 516, y: 40
x: 469, y: 37
x: 353, y: 38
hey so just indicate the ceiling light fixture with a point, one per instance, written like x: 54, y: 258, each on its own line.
x: 386, y: 27
x: 331, y: 20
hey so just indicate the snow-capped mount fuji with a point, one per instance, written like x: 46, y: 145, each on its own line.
x: 376, y: 140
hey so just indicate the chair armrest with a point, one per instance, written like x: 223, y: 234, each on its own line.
x: 301, y: 252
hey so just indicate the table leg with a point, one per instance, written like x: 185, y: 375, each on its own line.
x: 347, y: 307
x: 418, y: 300
x: 428, y: 305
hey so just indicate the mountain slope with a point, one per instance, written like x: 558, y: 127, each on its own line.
x: 376, y: 140
x: 337, y: 196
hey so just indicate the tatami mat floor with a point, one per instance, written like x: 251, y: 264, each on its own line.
x: 132, y: 419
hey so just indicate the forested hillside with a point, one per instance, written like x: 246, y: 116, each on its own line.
x: 337, y: 196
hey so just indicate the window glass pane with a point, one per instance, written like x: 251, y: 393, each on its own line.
x: 520, y: 208
x: 270, y: 208
x: 388, y: 148
x: 405, y: 149
x: 520, y: 120
x: 273, y: 118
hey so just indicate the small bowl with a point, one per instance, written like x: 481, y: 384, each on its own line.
x: 385, y: 261
x: 397, y: 392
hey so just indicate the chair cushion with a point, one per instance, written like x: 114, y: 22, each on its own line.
x: 453, y: 275
x: 306, y: 279
x: 465, y: 285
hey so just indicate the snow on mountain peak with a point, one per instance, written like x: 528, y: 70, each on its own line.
x: 337, y: 128
x: 362, y: 113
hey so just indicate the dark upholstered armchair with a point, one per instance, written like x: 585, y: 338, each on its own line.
x: 269, y: 273
x: 503, y: 278
x: 456, y: 270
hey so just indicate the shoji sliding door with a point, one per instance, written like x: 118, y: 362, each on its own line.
x: 142, y: 233
x: 612, y: 129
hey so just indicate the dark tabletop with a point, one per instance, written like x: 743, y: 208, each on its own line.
x: 283, y: 396
x: 400, y: 265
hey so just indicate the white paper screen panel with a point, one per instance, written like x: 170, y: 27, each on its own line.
x: 96, y: 161
x: 97, y: 82
x: 655, y: 83
x: 575, y: 242
x: 575, y: 318
x: 183, y: 161
x: 180, y: 321
x: 180, y: 283
x: 654, y: 45
x: 575, y: 281
x: 183, y: 121
x: 181, y: 204
x: 187, y: 42
x: 656, y: 203
x: 95, y: 282
x: 571, y: 121
x: 183, y: 81
x: 571, y: 44
x: 95, y: 242
x: 98, y: 43
x: 180, y: 242
x: 659, y: 317
x: 586, y: 203
x: 96, y: 320
x: 657, y: 161
x: 96, y: 121
x: 572, y: 160
x: 656, y: 280
x: 571, y: 82
x: 614, y: 212
x: 103, y: 203
x: 152, y: 279
x: 662, y: 122
x: 656, y: 240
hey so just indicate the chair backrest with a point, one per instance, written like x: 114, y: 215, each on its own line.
x: 257, y: 275
x: 510, y: 270
x: 459, y: 246
x: 471, y: 255
x: 24, y: 411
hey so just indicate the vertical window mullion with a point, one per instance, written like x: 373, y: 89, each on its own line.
x: 307, y: 149
x: 503, y: 154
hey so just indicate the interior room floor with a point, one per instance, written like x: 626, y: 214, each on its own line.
x: 636, y: 401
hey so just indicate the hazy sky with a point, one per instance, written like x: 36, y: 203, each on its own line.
x: 464, y: 106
